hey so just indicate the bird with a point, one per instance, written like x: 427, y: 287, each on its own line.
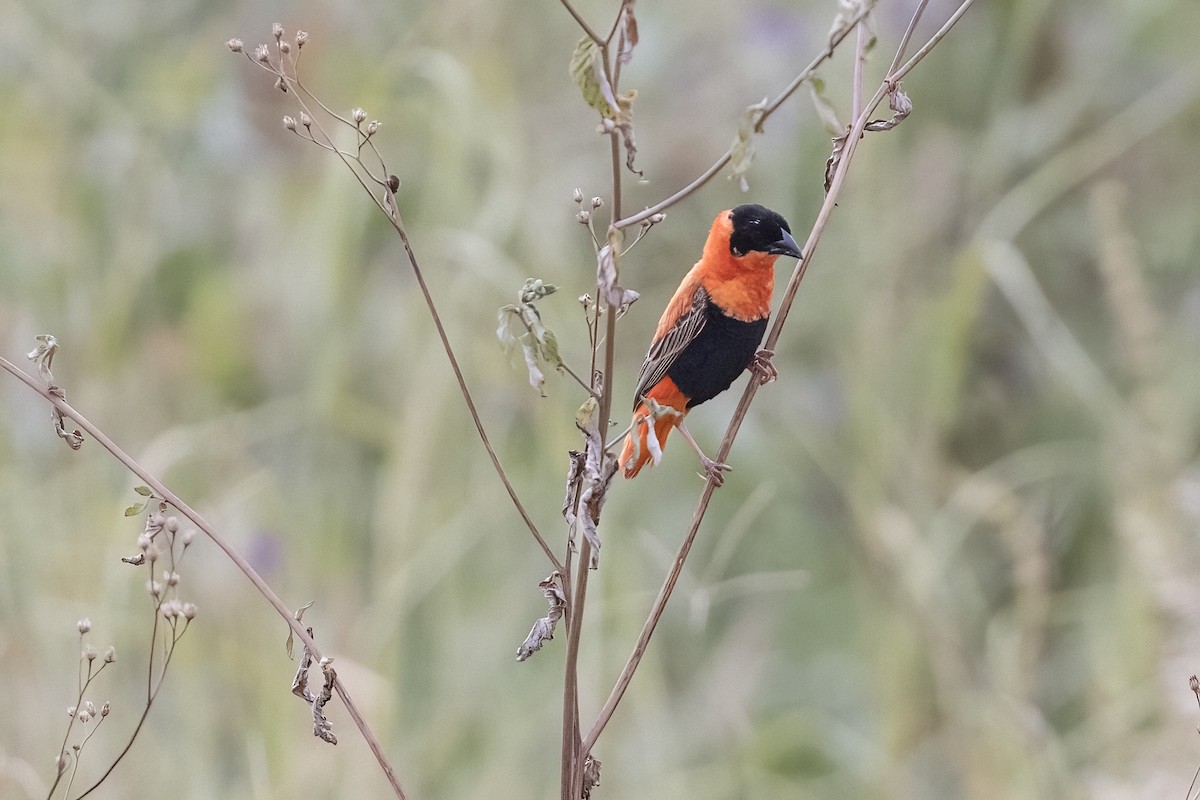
x: 709, y: 333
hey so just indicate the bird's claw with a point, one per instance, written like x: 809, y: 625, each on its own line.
x: 714, y: 471
x: 761, y: 367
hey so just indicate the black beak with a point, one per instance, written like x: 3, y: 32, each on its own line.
x: 785, y: 247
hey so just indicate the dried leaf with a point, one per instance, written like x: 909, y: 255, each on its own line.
x: 741, y: 154
x: 543, y: 629
x: 299, y: 616
x: 537, y: 379
x: 322, y: 727
x: 901, y: 107
x: 591, y: 776
x: 629, y: 33
x: 835, y: 158
x: 574, y: 473
x: 825, y: 110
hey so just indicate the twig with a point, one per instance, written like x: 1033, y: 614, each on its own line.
x: 183, y: 508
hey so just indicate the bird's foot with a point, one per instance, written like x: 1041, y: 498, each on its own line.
x: 761, y: 367
x: 714, y: 471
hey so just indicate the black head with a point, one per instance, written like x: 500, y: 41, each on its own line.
x: 756, y: 228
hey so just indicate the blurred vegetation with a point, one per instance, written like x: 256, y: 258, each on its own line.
x: 957, y: 556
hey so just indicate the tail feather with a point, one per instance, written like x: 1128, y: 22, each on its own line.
x: 637, y: 451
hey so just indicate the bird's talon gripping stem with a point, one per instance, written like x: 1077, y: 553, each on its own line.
x: 715, y: 471
x: 761, y: 367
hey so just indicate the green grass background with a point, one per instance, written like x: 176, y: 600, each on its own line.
x: 957, y: 557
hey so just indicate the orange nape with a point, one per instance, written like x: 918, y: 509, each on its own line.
x: 635, y: 453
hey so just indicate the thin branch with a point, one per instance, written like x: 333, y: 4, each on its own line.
x: 770, y: 109
x: 393, y: 217
x: 664, y: 594
x: 587, y: 29
x: 907, y: 37
x: 183, y: 508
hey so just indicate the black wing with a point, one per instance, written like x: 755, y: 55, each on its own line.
x: 666, y: 349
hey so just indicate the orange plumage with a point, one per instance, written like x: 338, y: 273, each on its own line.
x: 710, y: 331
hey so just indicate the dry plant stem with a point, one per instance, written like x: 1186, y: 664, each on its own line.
x: 770, y: 109
x: 394, y: 218
x: 839, y: 178
x: 261, y: 585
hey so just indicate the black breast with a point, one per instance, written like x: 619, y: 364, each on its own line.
x: 714, y: 359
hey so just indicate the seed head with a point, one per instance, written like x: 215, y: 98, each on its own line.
x: 172, y: 524
x: 84, y: 625
x: 262, y: 54
x: 171, y: 578
x: 89, y: 652
x: 359, y: 116
x: 301, y: 38
x: 110, y: 655
x: 597, y: 202
x: 584, y: 216
x: 85, y: 717
x: 71, y: 711
x: 289, y: 122
x: 104, y: 709
x: 277, y: 31
x: 285, y: 48
x: 189, y: 611
x: 306, y: 121
x: 373, y: 127
x: 578, y: 196
x: 235, y: 45
x: 90, y: 707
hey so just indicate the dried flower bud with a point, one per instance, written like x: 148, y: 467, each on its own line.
x: 89, y: 652
x: 289, y: 123
x: 654, y: 219
x: 61, y: 763
x: 262, y: 54
x: 154, y: 588
x: 285, y: 48
x: 306, y: 121
x: 359, y: 116
x: 584, y: 216
x: 110, y: 655
x: 301, y: 38
x: 172, y: 524
x: 373, y: 127
x: 235, y: 45
x: 189, y: 611
x: 85, y: 717
x: 280, y: 84
x: 585, y: 300
x: 277, y: 31
x: 90, y: 707
x: 597, y: 202
x: 84, y: 625
x: 71, y: 711
x: 578, y: 196
x: 1194, y: 684
x: 171, y: 578
x: 104, y: 709
x: 152, y: 552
